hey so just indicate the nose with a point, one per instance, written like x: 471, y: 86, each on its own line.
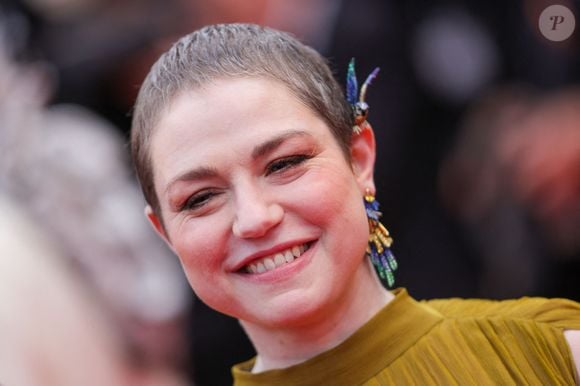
x: 255, y: 215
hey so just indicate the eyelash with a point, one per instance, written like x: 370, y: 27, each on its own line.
x: 199, y: 199
x: 282, y: 164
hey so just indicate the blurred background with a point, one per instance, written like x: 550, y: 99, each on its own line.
x: 477, y: 118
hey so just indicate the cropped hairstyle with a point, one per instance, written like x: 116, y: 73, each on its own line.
x: 234, y: 51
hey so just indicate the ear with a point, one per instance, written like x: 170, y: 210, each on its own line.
x: 157, y: 225
x: 362, y: 154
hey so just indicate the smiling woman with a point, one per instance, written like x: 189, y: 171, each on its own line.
x: 254, y: 176
x: 249, y: 189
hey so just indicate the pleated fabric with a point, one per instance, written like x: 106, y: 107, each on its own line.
x: 444, y: 342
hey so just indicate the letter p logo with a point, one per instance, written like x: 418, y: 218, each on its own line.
x: 557, y: 23
x: 557, y: 20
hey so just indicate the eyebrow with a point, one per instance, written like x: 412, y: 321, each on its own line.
x: 272, y: 144
x: 195, y: 174
x: 259, y: 151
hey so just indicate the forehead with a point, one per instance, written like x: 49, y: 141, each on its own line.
x: 225, y: 116
x: 227, y: 100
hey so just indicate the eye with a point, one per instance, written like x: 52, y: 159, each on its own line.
x: 199, y: 200
x: 282, y: 164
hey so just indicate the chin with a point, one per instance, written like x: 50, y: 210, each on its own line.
x: 293, y: 309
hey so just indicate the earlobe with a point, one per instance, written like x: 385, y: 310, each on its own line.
x: 362, y: 153
x: 157, y: 225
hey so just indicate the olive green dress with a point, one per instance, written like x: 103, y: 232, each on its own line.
x: 444, y: 342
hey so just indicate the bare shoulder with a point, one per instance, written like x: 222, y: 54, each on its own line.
x: 573, y: 338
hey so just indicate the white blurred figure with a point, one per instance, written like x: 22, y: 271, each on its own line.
x: 118, y: 293
x: 51, y: 332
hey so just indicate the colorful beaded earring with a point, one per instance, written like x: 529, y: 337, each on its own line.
x: 380, y: 241
x: 379, y: 244
x: 360, y: 109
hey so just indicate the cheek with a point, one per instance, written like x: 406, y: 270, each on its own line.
x: 333, y: 201
x: 200, y: 246
x: 205, y: 281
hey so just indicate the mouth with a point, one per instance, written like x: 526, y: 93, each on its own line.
x: 271, y: 262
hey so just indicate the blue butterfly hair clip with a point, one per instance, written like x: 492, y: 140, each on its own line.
x: 360, y: 109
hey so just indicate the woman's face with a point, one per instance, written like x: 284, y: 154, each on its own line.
x: 258, y: 201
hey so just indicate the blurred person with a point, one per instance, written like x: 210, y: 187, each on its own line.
x: 52, y: 331
x: 542, y: 157
x: 260, y: 177
x: 513, y: 178
x: 67, y: 169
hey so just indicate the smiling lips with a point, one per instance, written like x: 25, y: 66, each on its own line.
x: 276, y: 260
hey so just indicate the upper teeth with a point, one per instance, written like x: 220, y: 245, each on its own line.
x: 268, y: 263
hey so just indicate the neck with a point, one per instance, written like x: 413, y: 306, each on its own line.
x: 283, y: 347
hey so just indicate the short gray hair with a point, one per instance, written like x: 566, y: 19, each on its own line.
x: 234, y: 50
